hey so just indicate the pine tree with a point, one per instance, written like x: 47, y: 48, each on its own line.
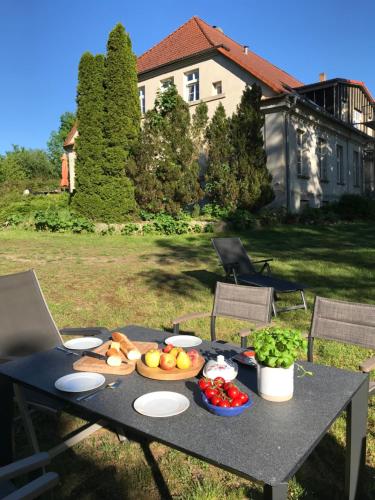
x: 249, y: 157
x: 198, y: 128
x: 167, y: 177
x: 90, y: 142
x: 122, y: 121
x: 221, y: 182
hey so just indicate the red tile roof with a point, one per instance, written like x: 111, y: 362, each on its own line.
x: 69, y: 141
x: 196, y: 36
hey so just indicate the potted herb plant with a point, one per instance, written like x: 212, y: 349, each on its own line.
x: 276, y: 350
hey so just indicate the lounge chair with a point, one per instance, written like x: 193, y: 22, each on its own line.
x: 347, y: 322
x: 239, y: 302
x: 238, y: 266
x: 27, y: 327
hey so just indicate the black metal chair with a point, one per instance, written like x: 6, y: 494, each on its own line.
x: 238, y: 266
x: 346, y: 322
x: 239, y: 302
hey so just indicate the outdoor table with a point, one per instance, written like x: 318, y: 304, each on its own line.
x: 267, y: 443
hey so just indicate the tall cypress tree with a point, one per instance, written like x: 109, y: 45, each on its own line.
x: 90, y: 142
x: 249, y: 158
x: 123, y: 115
x: 221, y: 181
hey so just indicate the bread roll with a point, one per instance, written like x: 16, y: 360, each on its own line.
x: 126, y: 346
x: 114, y: 360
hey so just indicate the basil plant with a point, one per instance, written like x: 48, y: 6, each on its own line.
x: 278, y: 347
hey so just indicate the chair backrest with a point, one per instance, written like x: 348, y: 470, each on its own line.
x: 248, y: 303
x: 26, y: 324
x: 347, y: 322
x: 231, y: 251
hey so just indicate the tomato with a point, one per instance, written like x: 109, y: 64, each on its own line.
x: 204, y: 383
x: 211, y: 391
x: 243, y: 397
x: 216, y: 400
x: 236, y: 402
x: 227, y: 385
x: 233, y: 392
x: 249, y: 354
x: 219, y: 381
x: 224, y: 404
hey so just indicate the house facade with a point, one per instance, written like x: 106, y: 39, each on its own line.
x: 315, y: 152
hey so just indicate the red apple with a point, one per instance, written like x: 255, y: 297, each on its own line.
x: 194, y: 356
x: 167, y: 361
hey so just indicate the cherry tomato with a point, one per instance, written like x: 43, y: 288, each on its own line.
x: 211, y: 391
x: 216, y: 400
x: 204, y: 383
x: 243, y: 397
x: 227, y: 385
x: 233, y: 392
x: 249, y: 354
x: 236, y: 402
x: 224, y: 404
x: 219, y: 381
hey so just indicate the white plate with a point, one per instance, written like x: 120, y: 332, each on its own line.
x: 83, y: 343
x: 183, y: 341
x: 161, y: 404
x: 79, y: 382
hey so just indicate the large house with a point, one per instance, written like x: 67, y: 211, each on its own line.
x: 319, y: 138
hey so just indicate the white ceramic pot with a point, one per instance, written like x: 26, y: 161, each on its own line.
x: 275, y: 384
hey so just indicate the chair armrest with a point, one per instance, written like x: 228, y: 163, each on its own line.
x: 367, y: 365
x: 24, y: 466
x: 36, y: 488
x: 261, y: 261
x: 190, y: 316
x: 88, y: 331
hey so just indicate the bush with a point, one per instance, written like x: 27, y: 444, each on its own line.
x: 166, y: 224
x: 196, y: 228
x: 215, y: 211
x: 62, y: 221
x: 242, y: 219
x: 272, y: 216
x: 324, y: 215
x: 355, y: 207
x: 129, y: 229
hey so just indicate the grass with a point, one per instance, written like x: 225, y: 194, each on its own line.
x: 117, y: 280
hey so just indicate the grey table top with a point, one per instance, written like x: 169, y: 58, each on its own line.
x: 268, y: 442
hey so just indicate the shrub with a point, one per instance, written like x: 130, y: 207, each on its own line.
x: 209, y: 228
x: 129, y: 229
x: 61, y: 221
x: 196, y: 228
x: 166, y: 224
x: 108, y: 231
x: 215, y: 211
x: 242, y: 219
x: 355, y: 207
x: 272, y: 216
x: 148, y: 229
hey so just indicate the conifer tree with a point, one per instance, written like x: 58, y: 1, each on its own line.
x: 198, y: 128
x: 221, y: 182
x: 248, y: 156
x: 122, y: 121
x: 90, y: 142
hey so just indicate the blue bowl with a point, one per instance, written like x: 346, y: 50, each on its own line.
x: 227, y: 412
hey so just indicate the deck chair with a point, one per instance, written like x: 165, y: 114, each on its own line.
x: 346, y: 322
x: 239, y: 302
x: 27, y: 327
x: 33, y: 489
x: 238, y: 266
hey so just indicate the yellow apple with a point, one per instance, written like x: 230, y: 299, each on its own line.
x: 152, y: 358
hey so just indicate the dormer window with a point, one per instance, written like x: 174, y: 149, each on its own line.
x: 192, y: 85
x: 217, y: 88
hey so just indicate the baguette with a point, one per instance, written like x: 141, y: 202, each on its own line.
x: 126, y: 346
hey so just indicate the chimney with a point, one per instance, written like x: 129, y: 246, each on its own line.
x: 245, y: 49
x: 322, y: 77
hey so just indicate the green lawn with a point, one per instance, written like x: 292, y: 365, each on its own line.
x: 118, y: 280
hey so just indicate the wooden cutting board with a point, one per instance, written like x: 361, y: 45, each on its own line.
x: 174, y: 374
x: 87, y: 364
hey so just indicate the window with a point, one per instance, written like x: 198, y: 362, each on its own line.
x: 357, y: 118
x: 164, y: 84
x: 142, y: 99
x: 217, y: 88
x: 340, y: 164
x: 322, y: 159
x: 300, y: 144
x: 356, y: 169
x: 192, y: 86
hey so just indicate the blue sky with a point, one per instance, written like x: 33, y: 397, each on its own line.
x: 41, y: 42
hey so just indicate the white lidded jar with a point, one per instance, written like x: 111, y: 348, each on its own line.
x: 275, y: 384
x: 220, y: 367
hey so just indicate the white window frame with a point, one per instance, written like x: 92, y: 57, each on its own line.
x: 142, y: 99
x: 356, y: 169
x: 300, y: 152
x: 322, y: 158
x: 357, y: 118
x: 217, y: 85
x: 192, y: 85
x: 340, y: 164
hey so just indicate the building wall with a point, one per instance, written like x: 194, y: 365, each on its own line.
x: 213, y: 69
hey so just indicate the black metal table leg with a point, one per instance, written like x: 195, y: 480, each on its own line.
x: 356, y: 429
x: 275, y: 492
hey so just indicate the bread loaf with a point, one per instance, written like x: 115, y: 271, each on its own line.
x: 112, y: 352
x: 114, y: 360
x: 126, y: 346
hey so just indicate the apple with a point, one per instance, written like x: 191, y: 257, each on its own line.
x: 167, y: 361
x: 152, y: 358
x: 168, y: 348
